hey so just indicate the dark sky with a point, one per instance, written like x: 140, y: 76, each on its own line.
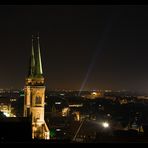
x: 87, y: 47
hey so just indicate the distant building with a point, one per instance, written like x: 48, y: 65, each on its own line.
x: 94, y: 95
x: 142, y: 97
x: 6, y: 106
x: 35, y: 96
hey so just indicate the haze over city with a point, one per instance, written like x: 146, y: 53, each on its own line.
x: 83, y: 46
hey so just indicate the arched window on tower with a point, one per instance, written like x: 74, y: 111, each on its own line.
x: 38, y: 100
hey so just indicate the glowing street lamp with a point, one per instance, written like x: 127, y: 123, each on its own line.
x: 105, y: 124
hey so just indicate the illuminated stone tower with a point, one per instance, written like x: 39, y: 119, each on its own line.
x: 35, y: 95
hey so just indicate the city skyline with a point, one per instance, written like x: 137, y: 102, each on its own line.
x: 82, y: 47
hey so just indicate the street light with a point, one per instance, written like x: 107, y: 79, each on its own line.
x: 105, y: 124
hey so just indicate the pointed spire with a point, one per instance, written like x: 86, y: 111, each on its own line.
x: 32, y: 62
x: 39, y: 71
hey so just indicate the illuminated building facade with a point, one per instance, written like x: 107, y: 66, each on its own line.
x: 35, y: 95
x: 6, y: 107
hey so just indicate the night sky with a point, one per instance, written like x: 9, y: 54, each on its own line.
x: 83, y: 47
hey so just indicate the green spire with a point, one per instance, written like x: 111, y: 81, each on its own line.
x: 32, y: 62
x: 38, y: 66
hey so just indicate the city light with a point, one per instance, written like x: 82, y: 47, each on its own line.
x: 6, y: 114
x: 105, y: 124
x: 57, y: 102
x: 94, y: 93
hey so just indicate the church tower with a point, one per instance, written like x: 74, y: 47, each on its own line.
x: 35, y: 94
